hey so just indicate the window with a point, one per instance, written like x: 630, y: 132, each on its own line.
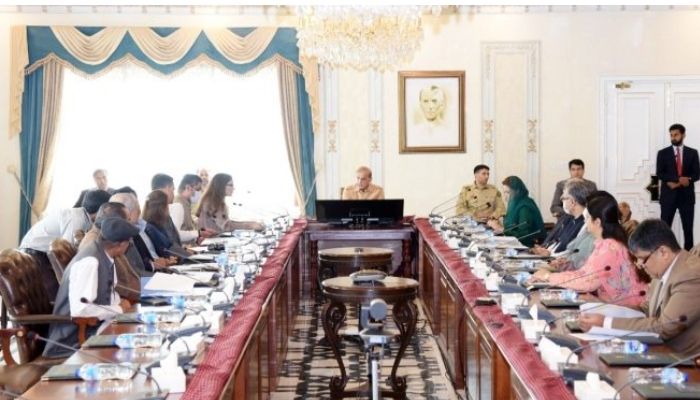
x: 135, y: 123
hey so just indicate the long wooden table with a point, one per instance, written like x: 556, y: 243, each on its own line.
x: 244, y: 359
x: 485, y: 351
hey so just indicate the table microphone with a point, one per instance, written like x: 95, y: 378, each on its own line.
x: 184, y: 257
x: 515, y: 226
x: 129, y: 320
x: 672, y: 365
x: 528, y: 235
x: 641, y: 293
x: 160, y: 394
x: 680, y: 319
x: 433, y: 213
x: 12, y: 395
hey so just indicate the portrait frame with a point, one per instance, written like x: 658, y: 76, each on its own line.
x: 423, y: 128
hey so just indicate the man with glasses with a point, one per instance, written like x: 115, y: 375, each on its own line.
x: 571, y: 224
x: 672, y: 303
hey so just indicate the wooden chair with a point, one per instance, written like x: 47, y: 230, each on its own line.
x: 29, y: 307
x: 60, y: 254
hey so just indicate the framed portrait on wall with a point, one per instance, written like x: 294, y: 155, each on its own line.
x: 431, y: 112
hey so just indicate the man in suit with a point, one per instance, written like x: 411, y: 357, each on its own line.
x: 678, y: 168
x: 671, y: 306
x: 100, y: 178
x: 576, y: 170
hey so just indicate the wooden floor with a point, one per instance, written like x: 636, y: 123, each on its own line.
x: 308, y: 367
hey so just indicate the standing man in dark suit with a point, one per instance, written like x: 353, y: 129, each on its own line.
x: 677, y: 167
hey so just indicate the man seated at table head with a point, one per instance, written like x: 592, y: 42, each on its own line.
x: 363, y: 189
x: 671, y: 306
x: 91, y: 275
x: 100, y: 178
x: 481, y: 200
x: 570, y: 225
x: 576, y: 170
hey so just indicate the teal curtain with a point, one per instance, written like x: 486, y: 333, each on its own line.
x: 42, y: 42
x: 307, y: 146
x: 30, y: 140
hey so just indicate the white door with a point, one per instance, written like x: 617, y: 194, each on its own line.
x: 636, y: 115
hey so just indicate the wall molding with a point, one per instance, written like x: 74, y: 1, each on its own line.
x: 532, y: 122
x: 376, y: 126
x: 330, y: 132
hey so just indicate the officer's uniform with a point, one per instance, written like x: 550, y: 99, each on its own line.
x: 483, y: 201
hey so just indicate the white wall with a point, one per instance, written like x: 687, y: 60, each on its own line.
x: 577, y: 49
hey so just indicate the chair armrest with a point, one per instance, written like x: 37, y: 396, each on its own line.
x: 5, y: 338
x: 82, y: 322
x: 36, y: 319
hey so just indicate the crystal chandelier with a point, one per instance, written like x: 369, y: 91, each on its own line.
x: 360, y: 37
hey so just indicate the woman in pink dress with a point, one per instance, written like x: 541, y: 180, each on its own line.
x: 621, y: 282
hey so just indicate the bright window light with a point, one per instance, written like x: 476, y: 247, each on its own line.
x: 135, y: 123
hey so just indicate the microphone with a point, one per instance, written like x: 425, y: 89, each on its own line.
x: 560, y: 284
x: 12, y: 169
x: 86, y: 301
x: 514, y: 226
x: 476, y: 208
x: 680, y: 319
x: 528, y: 235
x: 433, y: 213
x: 641, y: 293
x: 672, y: 365
x: 160, y: 394
x: 11, y: 395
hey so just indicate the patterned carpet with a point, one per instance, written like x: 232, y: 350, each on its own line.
x: 307, y: 370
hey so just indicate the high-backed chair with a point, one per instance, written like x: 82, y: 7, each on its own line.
x: 60, y: 254
x: 27, y: 303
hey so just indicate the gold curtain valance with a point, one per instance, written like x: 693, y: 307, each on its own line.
x: 97, y: 48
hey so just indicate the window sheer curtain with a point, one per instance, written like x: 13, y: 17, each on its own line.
x: 40, y: 54
x: 135, y: 123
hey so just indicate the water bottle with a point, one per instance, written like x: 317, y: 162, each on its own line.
x: 152, y: 317
x: 222, y: 259
x: 634, y: 347
x: 134, y: 340
x: 673, y: 376
x: 569, y: 295
x: 103, y: 371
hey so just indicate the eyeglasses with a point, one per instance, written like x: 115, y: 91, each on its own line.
x: 641, y: 262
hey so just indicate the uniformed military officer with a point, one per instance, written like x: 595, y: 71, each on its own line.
x: 481, y: 200
x: 363, y: 189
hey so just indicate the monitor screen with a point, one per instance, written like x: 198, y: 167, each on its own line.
x: 377, y: 211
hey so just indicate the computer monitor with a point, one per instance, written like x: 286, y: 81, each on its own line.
x: 360, y: 211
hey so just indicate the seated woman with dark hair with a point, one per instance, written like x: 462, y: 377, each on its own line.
x: 609, y: 272
x: 213, y: 212
x: 523, y: 219
x: 156, y: 214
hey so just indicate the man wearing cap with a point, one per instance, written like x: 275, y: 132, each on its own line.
x: 60, y: 224
x: 91, y: 275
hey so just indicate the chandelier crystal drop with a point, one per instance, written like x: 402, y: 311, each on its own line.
x: 361, y: 37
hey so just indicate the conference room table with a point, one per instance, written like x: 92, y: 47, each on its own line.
x: 485, y: 350
x: 242, y: 360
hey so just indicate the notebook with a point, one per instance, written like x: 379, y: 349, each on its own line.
x: 101, y: 341
x: 642, y: 360
x: 62, y: 372
x: 667, y: 391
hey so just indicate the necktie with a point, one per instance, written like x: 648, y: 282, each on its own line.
x: 679, y: 163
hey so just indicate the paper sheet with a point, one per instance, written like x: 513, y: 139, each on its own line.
x: 173, y: 283
x: 612, y: 310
